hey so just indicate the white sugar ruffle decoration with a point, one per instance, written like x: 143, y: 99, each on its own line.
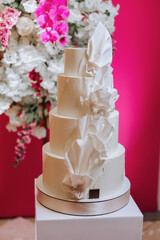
x: 81, y: 159
x: 94, y: 130
x: 99, y: 49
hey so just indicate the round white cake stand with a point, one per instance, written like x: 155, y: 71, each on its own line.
x: 84, y: 207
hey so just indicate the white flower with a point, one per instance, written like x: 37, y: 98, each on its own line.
x: 10, y: 57
x: 56, y: 66
x: 39, y: 132
x: 74, y: 3
x: 29, y: 58
x: 10, y: 127
x: 6, y: 1
x: 103, y: 101
x: 75, y: 16
x: 29, y: 5
x: 89, y: 4
x: 1, y: 72
x: 14, y: 119
x: 12, y: 79
x: 25, y: 26
x: 4, y: 103
x: 13, y: 40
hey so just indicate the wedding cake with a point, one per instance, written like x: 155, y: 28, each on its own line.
x: 83, y: 162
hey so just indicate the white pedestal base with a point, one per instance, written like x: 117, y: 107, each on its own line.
x: 125, y: 224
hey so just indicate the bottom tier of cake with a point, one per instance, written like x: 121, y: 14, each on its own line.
x: 110, y: 180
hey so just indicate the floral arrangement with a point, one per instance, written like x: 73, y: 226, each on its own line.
x: 33, y: 35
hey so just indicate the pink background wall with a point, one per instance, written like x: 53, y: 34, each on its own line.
x: 136, y: 76
x: 137, y: 79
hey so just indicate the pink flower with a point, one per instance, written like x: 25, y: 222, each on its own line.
x: 10, y: 16
x: 23, y: 139
x: 62, y: 28
x: 45, y: 37
x: 27, y: 139
x: 49, y: 35
x: 51, y: 15
x: 39, y: 11
x: 54, y: 36
x: 63, y: 41
x: 21, y: 145
x: 36, y: 81
x: 60, y: 2
x: 43, y: 9
x: 62, y: 13
x: 4, y: 34
x: 44, y: 21
x: 31, y: 126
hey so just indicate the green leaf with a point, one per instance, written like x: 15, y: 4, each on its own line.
x: 53, y: 97
x: 16, y: 164
x: 107, y: 13
x: 70, y: 6
x: 1, y: 49
x: 17, y: 5
x: 80, y: 1
x: 72, y: 28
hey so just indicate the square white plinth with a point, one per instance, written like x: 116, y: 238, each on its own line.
x: 125, y: 224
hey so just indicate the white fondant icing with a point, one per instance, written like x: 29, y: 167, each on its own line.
x: 110, y: 175
x: 72, y: 95
x: 64, y: 130
x: 74, y: 66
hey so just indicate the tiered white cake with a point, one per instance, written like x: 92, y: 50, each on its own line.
x: 83, y: 160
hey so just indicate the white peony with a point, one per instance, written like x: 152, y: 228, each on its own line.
x: 4, y: 103
x: 29, y: 58
x: 29, y: 5
x: 39, y: 132
x: 13, y: 80
x: 10, y: 57
x: 25, y: 26
x: 75, y: 16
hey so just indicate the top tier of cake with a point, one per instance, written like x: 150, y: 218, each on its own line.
x: 74, y: 84
x: 75, y: 61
